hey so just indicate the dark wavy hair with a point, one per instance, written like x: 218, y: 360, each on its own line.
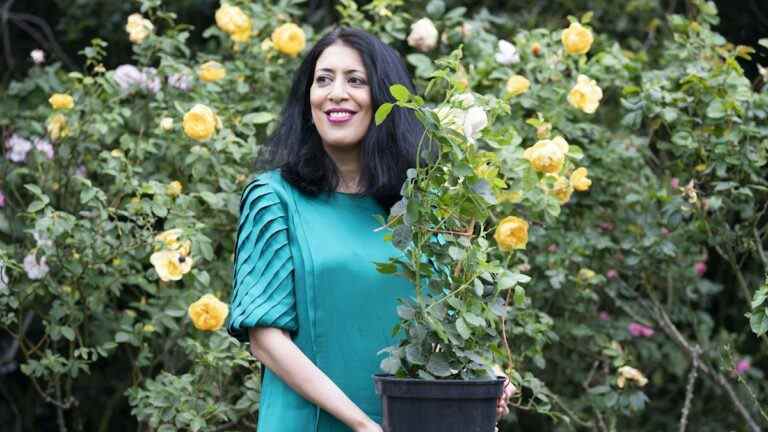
x: 387, y: 150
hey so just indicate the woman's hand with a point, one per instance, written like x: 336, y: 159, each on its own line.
x: 502, y: 403
x: 370, y: 426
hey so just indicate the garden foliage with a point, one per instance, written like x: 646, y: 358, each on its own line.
x: 610, y: 195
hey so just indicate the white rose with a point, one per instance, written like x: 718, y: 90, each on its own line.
x: 423, y: 35
x: 474, y: 121
x: 38, y: 56
x: 507, y: 53
x: 35, y: 269
x: 166, y: 123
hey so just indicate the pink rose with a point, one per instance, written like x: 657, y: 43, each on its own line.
x: 742, y: 366
x: 603, y: 316
x: 2, y: 199
x: 674, y: 183
x: 700, y: 267
x: 639, y: 330
x: 611, y: 274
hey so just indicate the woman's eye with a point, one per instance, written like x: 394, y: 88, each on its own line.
x: 357, y: 81
x: 322, y: 80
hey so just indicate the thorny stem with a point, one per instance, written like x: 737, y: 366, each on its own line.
x: 689, y: 389
x: 671, y: 330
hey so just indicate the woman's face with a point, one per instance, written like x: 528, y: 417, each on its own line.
x: 340, y: 98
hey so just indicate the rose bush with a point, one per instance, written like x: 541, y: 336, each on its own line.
x: 619, y: 198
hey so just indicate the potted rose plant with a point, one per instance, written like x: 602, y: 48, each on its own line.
x: 460, y: 226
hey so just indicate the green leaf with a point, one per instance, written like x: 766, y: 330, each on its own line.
x: 575, y: 152
x: 68, y: 333
x: 35, y: 206
x: 463, y: 329
x: 414, y: 354
x: 386, y: 267
x: 400, y: 92
x: 519, y: 296
x: 759, y: 297
x: 383, y: 112
x: 406, y: 312
x: 759, y: 322
x: 716, y: 109
x: 258, y: 118
x: 122, y: 337
x: 436, y: 8
x: 438, y: 365
x: 390, y: 364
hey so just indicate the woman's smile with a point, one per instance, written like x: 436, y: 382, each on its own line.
x: 339, y: 115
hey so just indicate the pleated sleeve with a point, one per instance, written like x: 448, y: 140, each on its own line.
x: 262, y: 289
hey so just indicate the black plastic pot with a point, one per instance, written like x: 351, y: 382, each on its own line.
x: 414, y: 405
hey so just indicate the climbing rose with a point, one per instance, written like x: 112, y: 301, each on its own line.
x: 640, y: 330
x: 475, y: 120
x: 547, y: 156
x: 585, y: 95
x: 289, y: 39
x: 511, y: 233
x: 61, y: 101
x: 170, y: 238
x: 170, y: 265
x: 138, y: 28
x: 199, y: 123
x: 579, y: 179
x: 173, y: 189
x: 507, y: 53
x: 211, y: 71
x: 561, y: 188
x: 423, y: 35
x: 700, y: 267
x: 742, y: 366
x: 19, y: 147
x: 57, y: 126
x: 232, y: 20
x: 38, y: 56
x: 577, y: 39
x: 632, y: 374
x: 208, y: 313
x: 35, y: 269
x: 44, y: 146
x: 517, y: 85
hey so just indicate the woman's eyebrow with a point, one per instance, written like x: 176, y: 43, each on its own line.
x: 347, y: 71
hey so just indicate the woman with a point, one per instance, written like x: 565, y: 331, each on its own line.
x: 306, y: 293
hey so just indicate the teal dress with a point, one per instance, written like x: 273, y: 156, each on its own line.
x: 306, y: 264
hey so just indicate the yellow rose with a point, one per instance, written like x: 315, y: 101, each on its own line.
x: 199, y: 123
x: 585, y: 95
x: 149, y: 328
x: 577, y: 39
x: 208, y: 313
x: 511, y: 233
x: 630, y: 373
x: 57, y: 127
x: 61, y: 101
x: 170, y: 239
x: 586, y: 274
x: 138, y: 28
x: 517, y: 84
x: 560, y: 189
x: 211, y: 71
x: 289, y: 39
x: 173, y: 189
x: 267, y: 44
x: 547, y: 156
x: 170, y: 265
x: 232, y: 20
x: 579, y: 179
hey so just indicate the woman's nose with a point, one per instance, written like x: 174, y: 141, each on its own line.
x: 338, y: 91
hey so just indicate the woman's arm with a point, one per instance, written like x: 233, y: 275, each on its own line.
x: 275, y: 349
